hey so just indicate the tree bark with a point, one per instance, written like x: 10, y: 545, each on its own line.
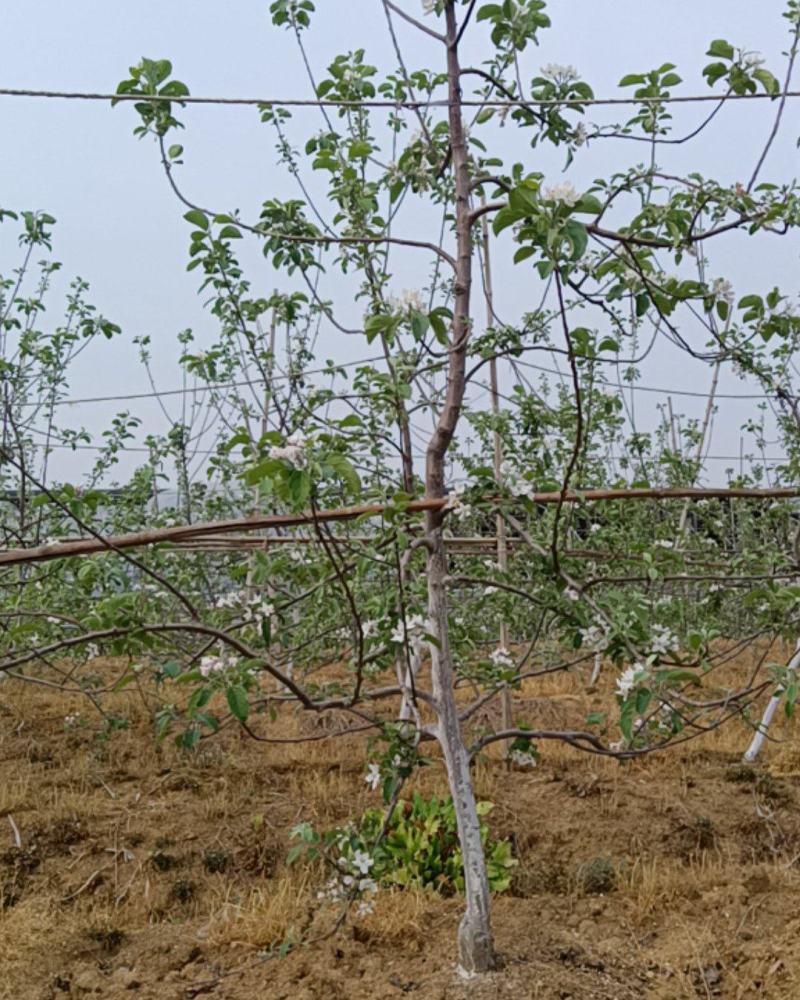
x: 475, y: 944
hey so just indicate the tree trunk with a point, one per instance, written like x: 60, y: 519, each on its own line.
x: 475, y: 945
x: 751, y: 755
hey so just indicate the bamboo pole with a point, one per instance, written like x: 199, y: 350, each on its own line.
x: 187, y: 532
x: 497, y: 447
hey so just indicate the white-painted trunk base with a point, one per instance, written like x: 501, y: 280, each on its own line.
x: 760, y: 737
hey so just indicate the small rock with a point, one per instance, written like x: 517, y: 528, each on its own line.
x: 126, y: 978
x: 85, y: 981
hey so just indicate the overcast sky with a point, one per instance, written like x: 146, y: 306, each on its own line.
x: 120, y: 228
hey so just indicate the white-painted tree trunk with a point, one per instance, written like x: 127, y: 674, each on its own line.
x: 598, y: 663
x: 406, y: 679
x: 760, y: 736
x: 475, y: 944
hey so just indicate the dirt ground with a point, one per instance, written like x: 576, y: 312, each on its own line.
x: 144, y: 871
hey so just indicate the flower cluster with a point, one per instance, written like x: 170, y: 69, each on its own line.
x: 369, y: 629
x: 456, y: 504
x: 753, y: 60
x: 722, y: 291
x: 415, y: 628
x: 516, y: 484
x: 294, y: 451
x: 352, y: 878
x: 409, y: 300
x: 502, y: 659
x: 212, y: 666
x: 563, y: 194
x: 522, y: 758
x: 559, y: 75
x: 373, y: 777
x: 663, y: 639
x: 630, y: 678
x: 595, y: 638
x: 255, y: 609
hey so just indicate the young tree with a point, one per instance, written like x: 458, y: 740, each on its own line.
x: 613, y: 267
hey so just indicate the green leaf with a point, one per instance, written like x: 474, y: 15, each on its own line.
x: 671, y: 677
x: 299, y: 486
x: 197, y: 218
x: 171, y: 668
x: 721, y: 49
x: 199, y: 698
x: 229, y: 233
x: 627, y: 715
x: 237, y: 701
x: 767, y: 81
x: 588, y: 205
x: 419, y: 325
x: 578, y: 238
x: 346, y: 471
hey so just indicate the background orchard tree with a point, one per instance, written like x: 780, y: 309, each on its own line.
x: 611, y: 267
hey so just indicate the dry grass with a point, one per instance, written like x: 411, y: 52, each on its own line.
x: 144, y: 861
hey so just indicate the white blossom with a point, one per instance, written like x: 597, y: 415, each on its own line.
x: 502, y: 658
x: 594, y: 637
x: 580, y: 135
x: 210, y: 666
x: 415, y: 628
x: 430, y: 6
x: 753, y: 60
x: 369, y: 629
x: 563, y: 194
x: 255, y: 608
x: 572, y: 594
x: 559, y: 74
x: 362, y: 862
x: 92, y: 651
x: 293, y: 451
x: 628, y: 679
x: 516, y: 484
x: 373, y: 776
x: 258, y: 611
x: 523, y: 759
x: 664, y: 543
x: 411, y: 299
x: 456, y: 504
x: 722, y: 291
x: 662, y: 639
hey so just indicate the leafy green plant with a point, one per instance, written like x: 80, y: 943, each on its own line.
x: 419, y: 846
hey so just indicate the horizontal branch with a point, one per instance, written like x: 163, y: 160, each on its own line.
x: 182, y: 533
